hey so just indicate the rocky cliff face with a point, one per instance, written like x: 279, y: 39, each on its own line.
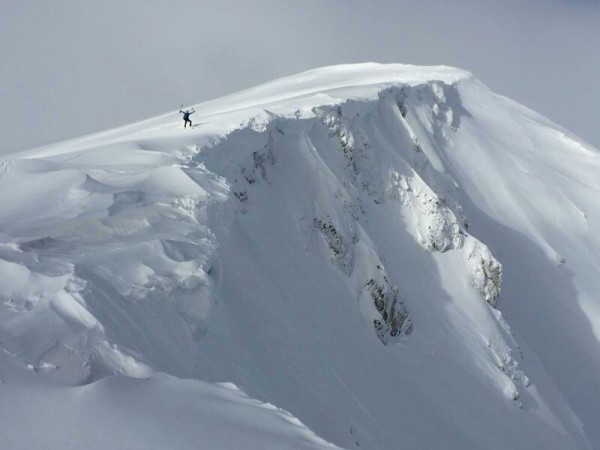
x: 365, y: 152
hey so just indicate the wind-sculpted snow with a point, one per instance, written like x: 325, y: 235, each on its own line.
x: 129, y: 256
x: 339, y: 244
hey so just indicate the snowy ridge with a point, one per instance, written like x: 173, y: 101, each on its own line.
x: 328, y: 242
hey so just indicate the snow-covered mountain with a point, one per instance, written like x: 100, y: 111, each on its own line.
x: 395, y: 255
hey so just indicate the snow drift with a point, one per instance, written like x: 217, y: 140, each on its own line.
x: 394, y: 254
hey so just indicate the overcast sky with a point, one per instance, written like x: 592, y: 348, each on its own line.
x: 70, y: 67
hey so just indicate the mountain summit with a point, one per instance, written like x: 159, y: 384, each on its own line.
x: 394, y: 254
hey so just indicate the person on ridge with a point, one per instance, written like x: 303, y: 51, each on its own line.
x: 186, y: 116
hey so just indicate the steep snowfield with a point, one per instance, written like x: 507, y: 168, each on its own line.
x: 155, y: 413
x: 394, y: 254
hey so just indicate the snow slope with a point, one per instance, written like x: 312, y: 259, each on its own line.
x: 394, y: 254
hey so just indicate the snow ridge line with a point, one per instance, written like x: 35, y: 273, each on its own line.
x: 141, y: 252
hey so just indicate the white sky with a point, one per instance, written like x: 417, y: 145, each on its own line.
x: 70, y: 67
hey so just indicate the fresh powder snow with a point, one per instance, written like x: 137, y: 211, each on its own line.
x: 394, y: 256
